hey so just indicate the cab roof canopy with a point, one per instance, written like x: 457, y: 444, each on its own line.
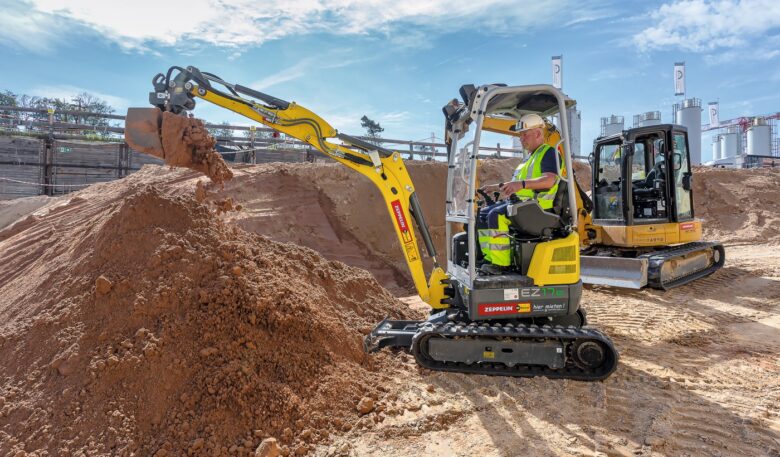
x: 519, y: 103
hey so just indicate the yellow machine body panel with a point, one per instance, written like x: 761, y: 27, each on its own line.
x: 648, y: 235
x: 556, y: 261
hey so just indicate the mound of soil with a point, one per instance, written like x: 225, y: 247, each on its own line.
x: 136, y: 322
x: 738, y: 205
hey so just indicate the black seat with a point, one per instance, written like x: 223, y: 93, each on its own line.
x: 529, y: 218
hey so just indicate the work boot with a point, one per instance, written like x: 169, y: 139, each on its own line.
x: 490, y: 269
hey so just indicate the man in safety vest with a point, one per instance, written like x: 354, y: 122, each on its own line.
x: 536, y: 178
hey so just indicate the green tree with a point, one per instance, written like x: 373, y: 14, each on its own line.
x: 7, y: 98
x: 221, y: 132
x: 373, y: 129
x: 89, y: 103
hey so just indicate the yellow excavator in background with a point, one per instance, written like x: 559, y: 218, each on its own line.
x: 524, y: 322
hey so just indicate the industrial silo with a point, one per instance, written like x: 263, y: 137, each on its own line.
x: 611, y: 125
x: 759, y: 138
x: 716, y: 148
x: 729, y: 143
x: 575, y: 127
x: 648, y: 118
x: 688, y: 114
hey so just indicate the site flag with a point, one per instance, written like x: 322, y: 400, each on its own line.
x: 679, y: 78
x: 714, y: 119
x: 557, y: 71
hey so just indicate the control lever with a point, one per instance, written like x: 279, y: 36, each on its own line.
x: 488, y: 199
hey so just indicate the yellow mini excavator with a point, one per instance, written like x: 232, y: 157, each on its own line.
x: 524, y: 322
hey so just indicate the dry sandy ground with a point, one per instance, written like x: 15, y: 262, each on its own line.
x: 699, y: 375
x: 700, y: 366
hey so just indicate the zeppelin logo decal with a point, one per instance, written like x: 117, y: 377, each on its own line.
x: 399, y: 215
x: 406, y: 235
x: 492, y: 309
x: 687, y: 226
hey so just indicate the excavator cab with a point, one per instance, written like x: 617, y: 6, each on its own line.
x: 656, y: 162
x: 543, y: 280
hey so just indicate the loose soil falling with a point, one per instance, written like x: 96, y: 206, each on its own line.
x: 187, y: 143
x: 139, y: 320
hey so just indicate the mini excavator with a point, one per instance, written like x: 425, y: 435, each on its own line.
x: 526, y: 321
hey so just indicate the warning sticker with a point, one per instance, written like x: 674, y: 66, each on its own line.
x: 511, y: 294
x: 687, y: 226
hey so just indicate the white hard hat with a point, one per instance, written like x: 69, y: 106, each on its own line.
x: 528, y: 122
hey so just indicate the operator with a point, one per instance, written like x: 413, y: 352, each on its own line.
x: 535, y: 178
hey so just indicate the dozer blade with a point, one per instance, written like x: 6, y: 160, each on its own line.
x: 142, y: 130
x: 614, y: 271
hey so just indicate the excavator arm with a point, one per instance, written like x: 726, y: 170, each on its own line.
x: 385, y: 168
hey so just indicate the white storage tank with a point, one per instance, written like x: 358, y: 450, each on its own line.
x: 648, y: 118
x: 611, y: 125
x: 575, y: 127
x: 759, y: 138
x: 716, y: 148
x: 729, y: 143
x: 688, y: 114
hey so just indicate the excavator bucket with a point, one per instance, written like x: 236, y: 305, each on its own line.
x: 142, y: 130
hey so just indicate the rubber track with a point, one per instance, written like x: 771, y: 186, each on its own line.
x: 490, y: 333
x: 656, y: 261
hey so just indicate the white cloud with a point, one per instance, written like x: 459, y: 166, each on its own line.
x: 23, y: 28
x: 66, y: 92
x: 700, y: 25
x: 337, y: 58
x: 142, y: 24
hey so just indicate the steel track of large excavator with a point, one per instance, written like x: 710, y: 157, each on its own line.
x: 677, y: 266
x: 501, y: 349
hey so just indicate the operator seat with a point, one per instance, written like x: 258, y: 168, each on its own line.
x: 528, y: 217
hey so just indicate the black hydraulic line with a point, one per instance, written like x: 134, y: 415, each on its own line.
x: 365, y: 145
x: 278, y: 102
x: 417, y: 214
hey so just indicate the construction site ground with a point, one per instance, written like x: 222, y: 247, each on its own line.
x: 163, y: 315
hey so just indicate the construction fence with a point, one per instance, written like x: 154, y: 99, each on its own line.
x: 42, y: 153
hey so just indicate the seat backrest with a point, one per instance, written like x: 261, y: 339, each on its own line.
x: 529, y: 218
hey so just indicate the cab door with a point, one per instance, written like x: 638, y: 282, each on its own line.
x: 682, y: 182
x: 608, y: 185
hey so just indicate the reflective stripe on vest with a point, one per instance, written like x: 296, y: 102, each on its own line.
x: 532, y: 169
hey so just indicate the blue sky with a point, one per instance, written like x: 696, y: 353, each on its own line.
x: 399, y: 61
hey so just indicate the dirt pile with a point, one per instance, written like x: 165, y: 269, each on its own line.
x: 136, y: 322
x: 340, y: 213
x: 738, y: 205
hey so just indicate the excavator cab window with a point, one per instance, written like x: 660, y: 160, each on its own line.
x: 648, y: 178
x: 608, y: 179
x: 682, y: 176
